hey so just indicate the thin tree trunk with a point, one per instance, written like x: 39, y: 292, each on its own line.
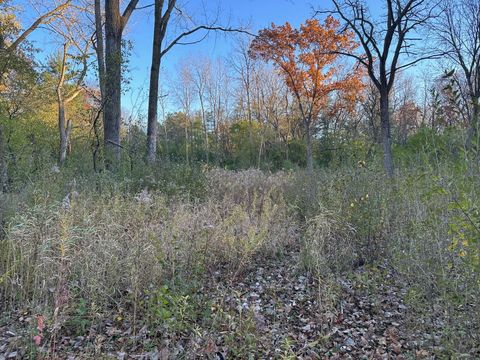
x: 62, y: 126
x: 386, y: 134
x: 260, y: 150
x: 186, y: 141
x: 100, y: 50
x: 205, y: 127
x: 159, y: 31
x: 309, y: 147
x: 249, y: 114
x: 3, y: 163
x: 474, y: 123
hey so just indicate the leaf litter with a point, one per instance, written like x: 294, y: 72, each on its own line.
x: 277, y: 308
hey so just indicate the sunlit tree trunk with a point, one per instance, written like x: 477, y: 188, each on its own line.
x: 65, y: 127
x: 62, y: 126
x: 152, y: 121
x: 113, y: 61
x: 114, y: 26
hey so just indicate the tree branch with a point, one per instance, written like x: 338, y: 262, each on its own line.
x: 198, y: 28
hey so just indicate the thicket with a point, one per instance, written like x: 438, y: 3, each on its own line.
x: 77, y: 244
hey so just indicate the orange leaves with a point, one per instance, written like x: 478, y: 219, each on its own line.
x: 308, y: 58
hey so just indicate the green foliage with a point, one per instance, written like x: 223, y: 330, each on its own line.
x: 464, y: 228
x: 78, y: 318
x: 427, y: 146
x: 169, y: 310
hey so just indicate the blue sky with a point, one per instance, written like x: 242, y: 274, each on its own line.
x: 254, y: 14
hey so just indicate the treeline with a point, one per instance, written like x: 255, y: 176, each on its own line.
x: 330, y: 91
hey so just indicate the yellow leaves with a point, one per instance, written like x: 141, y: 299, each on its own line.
x: 465, y: 249
x: 360, y: 201
x: 453, y: 245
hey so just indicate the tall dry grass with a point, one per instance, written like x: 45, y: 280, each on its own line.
x: 104, y: 247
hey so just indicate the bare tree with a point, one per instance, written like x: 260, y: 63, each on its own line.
x: 70, y: 28
x: 243, y: 65
x: 200, y: 74
x: 184, y: 92
x: 371, y: 112
x: 163, y: 14
x: 458, y: 30
x: 384, y: 43
x: 48, y: 16
x: 218, y: 91
x: 65, y: 97
x: 161, y: 21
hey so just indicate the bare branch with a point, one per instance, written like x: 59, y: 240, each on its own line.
x: 198, y: 28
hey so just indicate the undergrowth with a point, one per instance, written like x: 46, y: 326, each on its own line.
x: 74, y: 249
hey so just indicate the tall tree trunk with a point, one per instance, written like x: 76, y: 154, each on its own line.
x: 100, y: 50
x: 113, y: 62
x: 386, y: 133
x: 152, y: 125
x: 3, y: 163
x: 308, y: 134
x: 159, y: 31
x: 186, y: 141
x: 62, y: 127
x: 249, y: 115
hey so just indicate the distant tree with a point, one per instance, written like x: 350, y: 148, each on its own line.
x: 200, y: 71
x: 458, y: 30
x: 68, y: 88
x: 407, y: 114
x: 162, y: 19
x: 309, y: 61
x: 70, y: 66
x: 244, y: 67
x: 184, y: 90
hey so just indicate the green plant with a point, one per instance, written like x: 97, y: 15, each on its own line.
x: 78, y: 317
x: 168, y: 309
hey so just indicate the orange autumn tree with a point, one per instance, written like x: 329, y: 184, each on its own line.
x: 308, y: 59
